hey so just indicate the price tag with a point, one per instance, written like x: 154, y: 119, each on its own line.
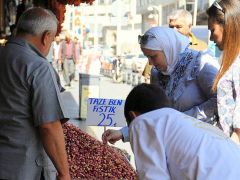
x: 105, y: 112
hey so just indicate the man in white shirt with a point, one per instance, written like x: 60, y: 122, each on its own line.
x: 168, y: 144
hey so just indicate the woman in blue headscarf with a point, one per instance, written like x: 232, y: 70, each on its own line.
x: 186, y: 76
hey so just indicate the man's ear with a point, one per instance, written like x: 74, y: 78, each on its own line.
x: 134, y: 114
x: 190, y: 27
x: 45, y: 37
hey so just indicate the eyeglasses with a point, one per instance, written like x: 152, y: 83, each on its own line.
x: 144, y: 39
x: 217, y: 5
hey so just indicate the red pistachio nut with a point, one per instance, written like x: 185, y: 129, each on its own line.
x: 90, y: 159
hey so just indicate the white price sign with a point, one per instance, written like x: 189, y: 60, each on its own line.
x: 105, y: 112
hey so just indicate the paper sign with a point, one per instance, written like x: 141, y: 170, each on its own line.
x: 105, y: 112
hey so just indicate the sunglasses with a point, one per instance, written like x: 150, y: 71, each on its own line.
x: 217, y: 5
x: 145, y: 38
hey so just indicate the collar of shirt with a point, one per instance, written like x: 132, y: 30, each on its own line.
x: 193, y: 39
x: 24, y: 43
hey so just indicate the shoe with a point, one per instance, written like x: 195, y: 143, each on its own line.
x: 69, y: 85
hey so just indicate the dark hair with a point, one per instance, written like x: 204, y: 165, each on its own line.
x: 144, y: 98
x: 216, y: 14
x: 12, y: 29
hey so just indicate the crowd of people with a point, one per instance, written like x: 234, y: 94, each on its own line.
x: 181, y: 20
x: 185, y: 124
x: 164, y: 144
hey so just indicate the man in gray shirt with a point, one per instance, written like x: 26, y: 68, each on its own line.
x: 30, y: 104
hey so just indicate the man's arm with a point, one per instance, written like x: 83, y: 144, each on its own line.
x: 54, y: 144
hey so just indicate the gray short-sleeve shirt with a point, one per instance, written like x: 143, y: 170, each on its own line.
x: 29, y: 97
x: 46, y: 101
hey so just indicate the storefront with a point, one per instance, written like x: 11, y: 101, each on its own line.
x: 10, y: 10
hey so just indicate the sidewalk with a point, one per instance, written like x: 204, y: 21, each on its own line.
x: 71, y: 102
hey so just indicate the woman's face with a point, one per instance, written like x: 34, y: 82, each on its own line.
x: 216, y: 32
x: 156, y: 58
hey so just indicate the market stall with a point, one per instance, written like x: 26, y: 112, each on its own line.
x: 91, y: 159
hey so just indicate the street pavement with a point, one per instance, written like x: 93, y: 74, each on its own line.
x: 107, y: 89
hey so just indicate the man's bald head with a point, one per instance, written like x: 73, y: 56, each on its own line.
x: 36, y: 21
x: 38, y: 26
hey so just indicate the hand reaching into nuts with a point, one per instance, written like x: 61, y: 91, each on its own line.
x: 91, y: 159
x: 111, y: 136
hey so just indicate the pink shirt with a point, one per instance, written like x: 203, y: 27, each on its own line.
x: 69, y: 50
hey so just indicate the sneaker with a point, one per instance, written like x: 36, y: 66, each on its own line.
x: 69, y: 85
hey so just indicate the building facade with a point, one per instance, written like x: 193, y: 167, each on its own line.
x: 156, y: 12
x: 111, y: 23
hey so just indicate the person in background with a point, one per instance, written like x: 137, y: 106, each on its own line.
x: 49, y: 57
x: 12, y: 31
x: 67, y: 55
x: 168, y: 144
x: 181, y: 20
x: 185, y: 75
x: 57, y: 64
x: 20, y: 9
x: 31, y: 110
x: 224, y: 24
x: 78, y: 54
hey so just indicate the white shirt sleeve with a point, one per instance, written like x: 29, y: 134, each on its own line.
x: 125, y: 134
x: 148, y: 151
